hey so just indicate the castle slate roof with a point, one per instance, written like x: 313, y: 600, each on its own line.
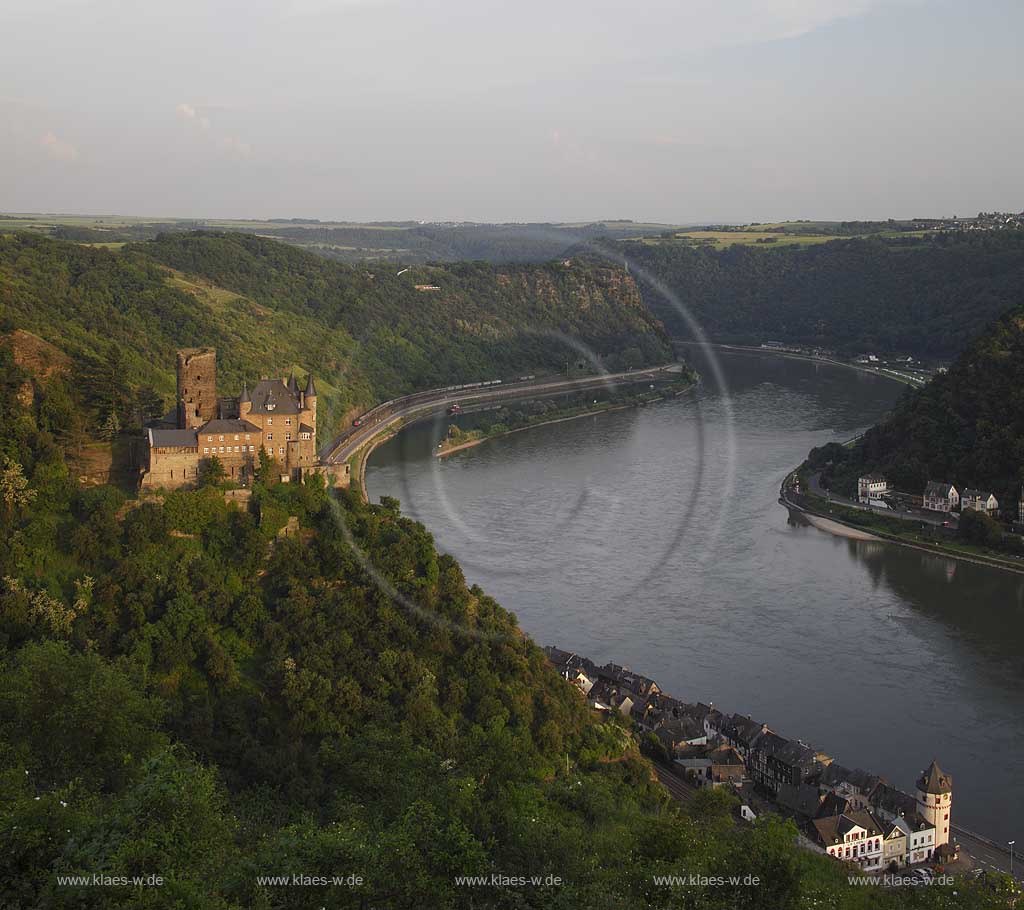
x: 236, y: 425
x: 310, y: 385
x: 172, y: 439
x: 272, y: 396
x: 935, y: 780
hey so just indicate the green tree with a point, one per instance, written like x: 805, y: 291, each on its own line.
x: 211, y: 472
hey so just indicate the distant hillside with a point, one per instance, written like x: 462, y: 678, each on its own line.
x: 405, y: 242
x: 966, y: 426
x: 920, y: 295
x: 367, y: 333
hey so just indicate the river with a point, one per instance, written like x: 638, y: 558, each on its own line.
x: 653, y: 537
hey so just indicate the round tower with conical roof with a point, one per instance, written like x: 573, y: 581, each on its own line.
x: 244, y: 401
x: 935, y: 800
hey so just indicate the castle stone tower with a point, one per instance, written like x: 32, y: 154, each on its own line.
x: 197, y: 387
x: 309, y: 399
x: 935, y: 800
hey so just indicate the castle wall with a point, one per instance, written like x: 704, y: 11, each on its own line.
x: 172, y: 468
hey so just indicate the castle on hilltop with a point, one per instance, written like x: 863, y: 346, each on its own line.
x: 278, y: 415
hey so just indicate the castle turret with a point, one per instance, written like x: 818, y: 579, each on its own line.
x: 935, y: 800
x: 309, y: 400
x: 197, y: 387
x: 244, y: 401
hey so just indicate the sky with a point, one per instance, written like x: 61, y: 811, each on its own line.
x: 690, y: 111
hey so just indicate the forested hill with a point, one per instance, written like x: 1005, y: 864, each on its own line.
x: 965, y: 427
x: 366, y: 332
x: 919, y: 295
x: 186, y: 694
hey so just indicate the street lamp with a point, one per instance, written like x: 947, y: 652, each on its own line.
x: 1011, y: 843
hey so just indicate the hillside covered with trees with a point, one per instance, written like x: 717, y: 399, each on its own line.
x: 966, y: 426
x: 185, y: 693
x: 925, y: 296
x: 367, y: 333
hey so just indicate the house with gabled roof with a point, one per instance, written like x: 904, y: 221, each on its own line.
x: 853, y: 837
x: 979, y: 501
x: 940, y: 496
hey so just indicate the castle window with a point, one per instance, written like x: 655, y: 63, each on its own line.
x: 270, y: 436
x: 270, y: 421
x: 287, y: 436
x: 209, y: 439
x: 206, y: 450
x: 247, y: 437
x: 287, y: 421
x: 281, y: 450
x: 221, y: 439
x: 236, y: 437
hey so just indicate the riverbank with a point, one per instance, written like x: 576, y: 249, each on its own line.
x: 451, y: 445
x: 896, y: 376
x: 827, y: 520
x: 447, y: 449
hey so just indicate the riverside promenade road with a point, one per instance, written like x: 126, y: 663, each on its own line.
x: 904, y: 514
x: 382, y: 418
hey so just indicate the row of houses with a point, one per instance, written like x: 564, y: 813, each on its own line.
x: 851, y: 815
x: 939, y: 496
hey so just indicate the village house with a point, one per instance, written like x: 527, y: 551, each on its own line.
x: 605, y: 695
x: 843, y: 781
x: 740, y: 732
x: 711, y: 766
x: 872, y: 486
x: 896, y: 843
x: 678, y: 732
x: 940, y: 496
x: 774, y: 761
x: 277, y: 417
x: 854, y: 837
x: 623, y: 676
x: 802, y: 800
x: 979, y: 501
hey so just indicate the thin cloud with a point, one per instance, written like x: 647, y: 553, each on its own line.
x: 57, y: 149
